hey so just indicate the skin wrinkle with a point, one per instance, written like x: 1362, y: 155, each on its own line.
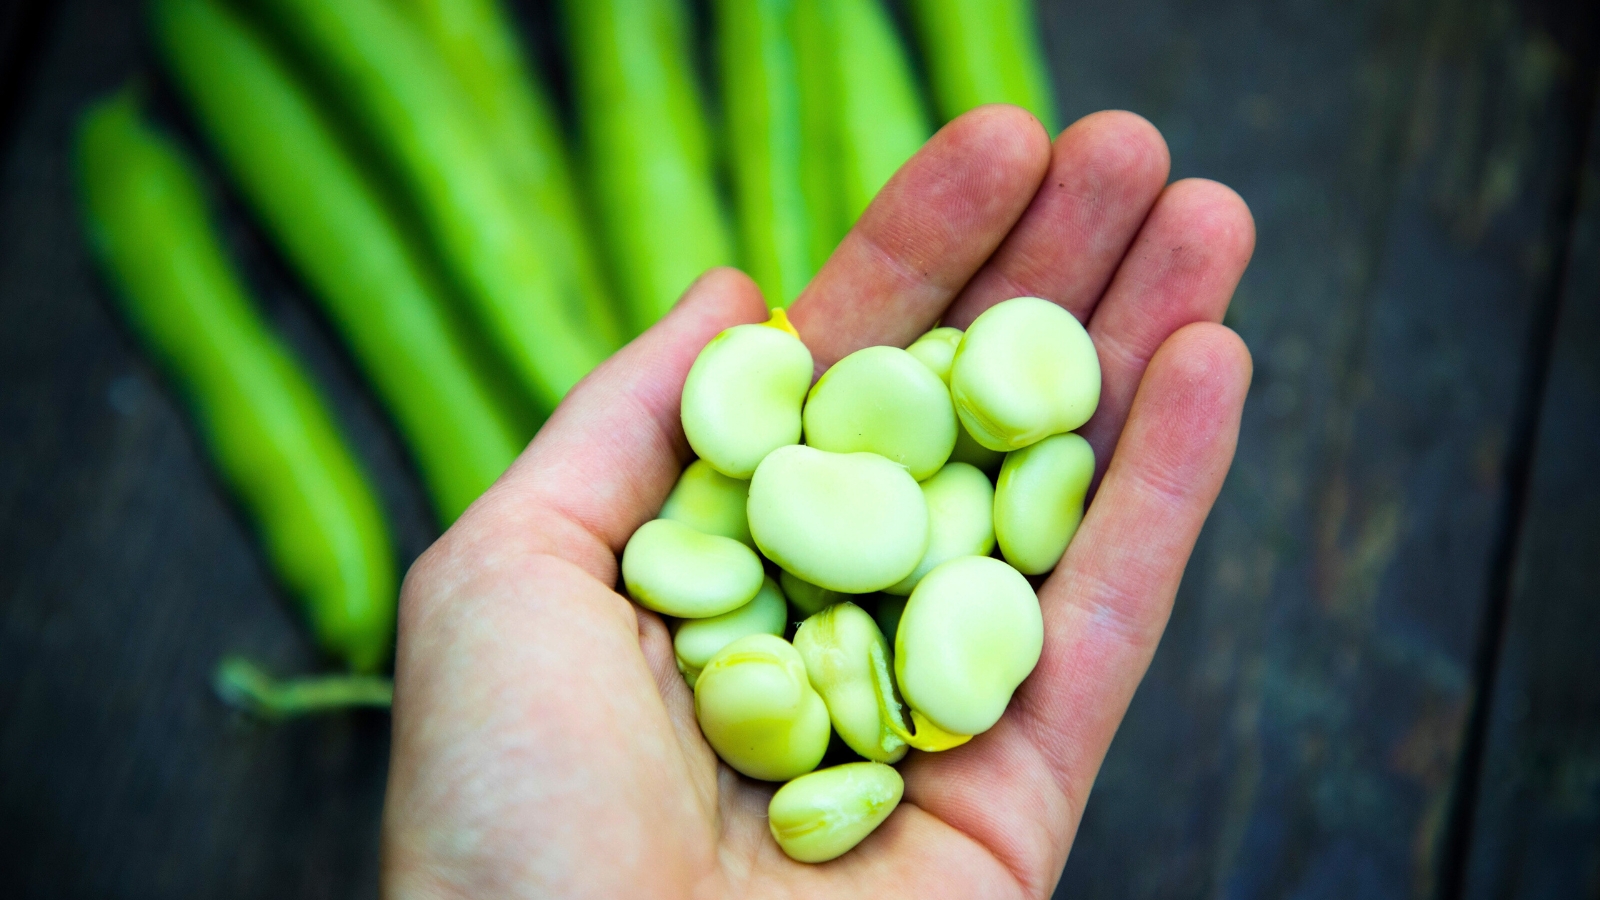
x: 965, y: 804
x: 1067, y: 243
x: 975, y: 177
x: 1190, y: 238
x: 503, y: 688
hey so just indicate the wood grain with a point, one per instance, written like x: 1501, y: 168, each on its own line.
x: 1536, y: 816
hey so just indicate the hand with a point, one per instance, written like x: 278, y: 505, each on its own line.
x: 545, y: 744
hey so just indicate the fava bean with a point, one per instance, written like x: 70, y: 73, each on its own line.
x: 883, y: 400
x: 674, y: 569
x: 1026, y: 369
x: 1038, y: 501
x: 710, y: 502
x: 960, y: 520
x: 849, y: 663
x: 758, y: 710
x: 744, y: 393
x: 937, y: 350
x: 971, y: 632
x: 821, y: 816
x: 807, y: 598
x: 697, y: 640
x: 852, y: 522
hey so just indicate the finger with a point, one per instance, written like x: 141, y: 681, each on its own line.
x: 925, y: 234
x: 1183, y: 269
x: 605, y: 461
x: 1106, y: 172
x: 1019, y: 788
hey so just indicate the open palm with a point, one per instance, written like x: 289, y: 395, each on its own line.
x: 545, y: 744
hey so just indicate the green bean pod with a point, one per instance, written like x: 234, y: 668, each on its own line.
x: 864, y: 113
x: 393, y: 85
x: 984, y: 51
x: 263, y: 422
x: 478, y: 44
x: 646, y: 148
x: 335, y: 230
x: 756, y: 57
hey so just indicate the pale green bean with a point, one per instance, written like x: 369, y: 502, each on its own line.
x: 758, y: 710
x: 676, y: 570
x: 852, y: 522
x: 1038, y: 501
x: 1026, y: 369
x: 743, y: 396
x: 937, y: 350
x: 960, y: 520
x: 823, y: 815
x: 971, y: 632
x: 710, y: 502
x: 883, y: 400
x: 697, y: 640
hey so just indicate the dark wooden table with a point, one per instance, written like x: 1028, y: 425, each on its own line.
x: 1382, y: 679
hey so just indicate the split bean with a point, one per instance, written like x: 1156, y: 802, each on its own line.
x: 1026, y: 369
x: 883, y: 400
x: 971, y: 632
x: 676, y: 570
x: 710, y: 502
x: 697, y: 640
x: 758, y: 710
x: 852, y: 522
x: 1038, y: 501
x: 849, y: 664
x: 743, y: 396
x: 823, y: 815
x: 960, y: 520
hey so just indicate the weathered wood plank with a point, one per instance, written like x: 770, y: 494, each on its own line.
x: 1408, y: 164
x: 125, y: 574
x: 1536, y: 828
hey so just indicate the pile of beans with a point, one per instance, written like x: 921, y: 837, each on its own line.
x: 887, y: 506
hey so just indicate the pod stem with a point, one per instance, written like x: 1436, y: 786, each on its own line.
x: 780, y: 320
x: 924, y: 736
x: 243, y: 685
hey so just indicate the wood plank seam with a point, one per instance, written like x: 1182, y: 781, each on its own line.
x: 1518, y: 470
